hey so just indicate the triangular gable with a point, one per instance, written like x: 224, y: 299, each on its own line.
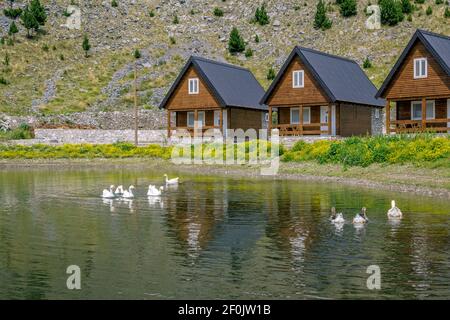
x: 191, y: 63
x: 418, y: 36
x: 296, y: 52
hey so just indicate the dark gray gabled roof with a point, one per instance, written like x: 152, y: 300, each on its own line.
x: 232, y: 86
x: 341, y: 79
x: 438, y: 46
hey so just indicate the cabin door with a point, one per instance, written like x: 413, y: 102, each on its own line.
x: 324, y: 117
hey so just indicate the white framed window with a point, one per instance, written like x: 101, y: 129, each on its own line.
x: 193, y: 86
x: 295, y: 115
x: 190, y: 119
x: 416, y: 110
x: 298, y: 79
x: 420, y: 68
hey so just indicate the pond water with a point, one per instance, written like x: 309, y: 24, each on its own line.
x: 213, y: 238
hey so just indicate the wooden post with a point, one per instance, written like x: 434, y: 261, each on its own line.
x: 221, y: 120
x: 388, y: 116
x: 329, y: 119
x: 424, y: 114
x: 270, y: 120
x: 168, y: 124
x: 300, y: 116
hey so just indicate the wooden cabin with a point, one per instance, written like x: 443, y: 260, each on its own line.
x: 316, y: 93
x: 419, y: 86
x: 214, y: 95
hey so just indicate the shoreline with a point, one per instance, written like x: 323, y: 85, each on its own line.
x: 405, y: 179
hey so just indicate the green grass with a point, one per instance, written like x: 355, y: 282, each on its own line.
x: 420, y: 150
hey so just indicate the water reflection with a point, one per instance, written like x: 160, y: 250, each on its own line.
x: 214, y: 238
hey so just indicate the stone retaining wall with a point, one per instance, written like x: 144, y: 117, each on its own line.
x: 61, y: 136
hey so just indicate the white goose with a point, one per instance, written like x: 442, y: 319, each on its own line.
x: 337, y: 218
x: 153, y: 191
x: 128, y: 194
x: 119, y: 191
x: 171, y: 181
x: 361, y: 218
x: 394, y: 212
x: 108, y: 194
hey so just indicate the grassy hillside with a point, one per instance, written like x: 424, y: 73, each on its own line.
x: 49, y: 73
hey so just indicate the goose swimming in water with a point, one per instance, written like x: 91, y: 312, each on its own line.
x: 153, y: 191
x: 171, y: 181
x: 394, y: 212
x: 108, y: 194
x: 128, y: 194
x: 361, y: 217
x: 336, y: 217
x: 119, y: 191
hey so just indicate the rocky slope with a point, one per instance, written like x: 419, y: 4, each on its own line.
x: 49, y: 74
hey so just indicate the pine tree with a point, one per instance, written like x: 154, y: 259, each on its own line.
x: 271, y: 74
x: 261, y: 15
x: 321, y: 20
x: 38, y: 11
x: 137, y: 54
x: 407, y: 6
x: 13, y: 30
x: 236, y: 43
x: 391, y: 12
x: 348, y: 8
x: 29, y: 21
x: 86, y: 46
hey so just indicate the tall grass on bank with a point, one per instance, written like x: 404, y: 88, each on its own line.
x: 356, y: 151
x: 24, y: 131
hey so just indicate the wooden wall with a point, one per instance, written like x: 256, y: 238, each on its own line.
x: 244, y: 118
x: 284, y: 94
x: 181, y: 99
x: 355, y: 120
x: 403, y: 110
x: 403, y: 85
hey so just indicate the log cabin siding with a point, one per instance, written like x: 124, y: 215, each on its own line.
x: 355, y: 120
x: 403, y: 110
x: 181, y: 99
x: 403, y: 85
x: 244, y: 119
x: 284, y: 94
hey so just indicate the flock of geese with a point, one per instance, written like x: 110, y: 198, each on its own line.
x: 153, y: 191
x: 393, y: 213
x: 361, y: 218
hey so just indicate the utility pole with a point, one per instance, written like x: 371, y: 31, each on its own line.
x: 137, y: 55
x: 136, y: 122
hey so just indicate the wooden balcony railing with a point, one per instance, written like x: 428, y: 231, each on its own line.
x: 302, y: 129
x: 191, y: 129
x: 415, y: 126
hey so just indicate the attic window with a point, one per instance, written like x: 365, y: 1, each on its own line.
x: 420, y: 68
x: 193, y: 86
x: 298, y: 78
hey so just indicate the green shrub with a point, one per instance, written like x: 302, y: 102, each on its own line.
x: 367, y: 63
x: 447, y: 13
x: 429, y: 11
x: 357, y: 151
x: 261, y: 15
x: 348, y: 8
x: 391, y: 12
x: 236, y: 42
x: 439, y: 1
x: 271, y: 74
x: 248, y: 53
x: 407, y: 6
x: 321, y: 21
x: 218, y: 12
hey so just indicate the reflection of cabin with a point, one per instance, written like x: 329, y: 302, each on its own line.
x: 419, y: 84
x: 214, y: 95
x: 312, y: 85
